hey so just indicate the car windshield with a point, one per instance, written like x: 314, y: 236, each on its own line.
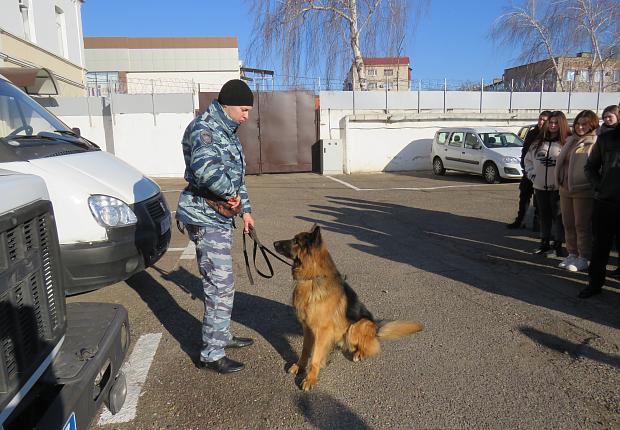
x: 29, y: 131
x: 500, y: 140
x: 20, y: 115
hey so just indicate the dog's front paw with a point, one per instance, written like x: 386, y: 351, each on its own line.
x: 308, y: 383
x: 357, y: 356
x: 294, y: 369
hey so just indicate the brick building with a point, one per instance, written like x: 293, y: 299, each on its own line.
x: 576, y: 73
x: 381, y: 72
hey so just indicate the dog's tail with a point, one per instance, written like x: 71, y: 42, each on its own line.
x: 395, y: 329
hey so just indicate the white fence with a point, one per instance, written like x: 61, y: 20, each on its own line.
x: 378, y: 132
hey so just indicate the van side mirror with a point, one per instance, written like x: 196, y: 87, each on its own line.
x: 77, y: 131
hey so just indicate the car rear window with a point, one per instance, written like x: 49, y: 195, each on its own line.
x: 442, y: 136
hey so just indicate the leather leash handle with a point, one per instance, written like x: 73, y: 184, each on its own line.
x: 264, y: 251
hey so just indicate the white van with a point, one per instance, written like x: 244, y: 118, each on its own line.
x: 112, y: 220
x: 492, y: 153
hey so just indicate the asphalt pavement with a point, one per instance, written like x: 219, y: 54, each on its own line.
x: 506, y: 342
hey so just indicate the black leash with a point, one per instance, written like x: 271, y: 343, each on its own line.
x: 264, y: 250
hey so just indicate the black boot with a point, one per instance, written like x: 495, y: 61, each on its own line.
x: 559, y: 251
x: 517, y: 223
x: 544, y: 247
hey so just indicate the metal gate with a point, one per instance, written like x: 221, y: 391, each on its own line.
x: 280, y: 133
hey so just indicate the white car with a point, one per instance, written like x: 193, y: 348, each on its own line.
x: 112, y: 220
x: 492, y: 153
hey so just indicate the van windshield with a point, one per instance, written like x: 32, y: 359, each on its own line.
x: 26, y: 124
x: 500, y: 140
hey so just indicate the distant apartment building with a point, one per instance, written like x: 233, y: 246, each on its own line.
x: 38, y: 34
x: 393, y: 73
x: 160, y: 64
x: 576, y: 74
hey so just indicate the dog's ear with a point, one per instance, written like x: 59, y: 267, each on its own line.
x: 315, y: 234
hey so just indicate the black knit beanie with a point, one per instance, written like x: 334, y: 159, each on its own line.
x: 236, y: 93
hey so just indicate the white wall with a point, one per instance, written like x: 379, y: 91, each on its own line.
x: 146, y: 130
x: 376, y: 143
x: 153, y: 146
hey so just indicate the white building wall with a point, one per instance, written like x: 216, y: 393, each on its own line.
x: 174, y: 82
x: 159, y: 59
x: 43, y: 15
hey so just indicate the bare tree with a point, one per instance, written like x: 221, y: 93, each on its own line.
x: 328, y: 35
x: 535, y: 29
x: 595, y: 25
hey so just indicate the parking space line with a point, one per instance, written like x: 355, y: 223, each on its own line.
x: 346, y: 184
x: 189, y: 253
x: 136, y: 370
x: 464, y: 239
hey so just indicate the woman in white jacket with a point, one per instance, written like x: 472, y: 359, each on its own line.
x: 540, y: 162
x: 576, y: 194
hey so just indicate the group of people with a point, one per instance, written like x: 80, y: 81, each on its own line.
x: 575, y: 180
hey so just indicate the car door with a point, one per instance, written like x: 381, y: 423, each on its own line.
x: 472, y: 153
x: 454, y: 151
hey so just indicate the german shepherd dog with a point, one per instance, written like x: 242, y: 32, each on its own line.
x: 329, y: 310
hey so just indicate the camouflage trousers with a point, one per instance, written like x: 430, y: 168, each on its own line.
x: 213, y: 254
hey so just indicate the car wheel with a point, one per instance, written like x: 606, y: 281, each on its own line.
x: 438, y: 168
x: 490, y: 173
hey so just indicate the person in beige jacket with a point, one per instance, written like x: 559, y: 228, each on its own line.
x: 540, y: 162
x: 576, y: 193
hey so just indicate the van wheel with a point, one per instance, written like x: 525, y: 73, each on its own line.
x: 490, y: 173
x: 438, y: 168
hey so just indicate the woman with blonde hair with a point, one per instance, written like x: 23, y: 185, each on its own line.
x: 540, y: 162
x: 576, y: 194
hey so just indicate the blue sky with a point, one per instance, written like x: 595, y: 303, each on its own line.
x: 451, y: 40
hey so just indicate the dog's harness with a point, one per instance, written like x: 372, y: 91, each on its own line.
x: 264, y: 251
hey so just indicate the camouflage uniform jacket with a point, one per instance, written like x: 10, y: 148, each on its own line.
x: 214, y: 161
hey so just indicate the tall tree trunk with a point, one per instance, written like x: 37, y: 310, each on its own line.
x: 355, y: 45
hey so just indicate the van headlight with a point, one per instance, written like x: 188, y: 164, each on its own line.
x: 511, y: 160
x: 110, y: 211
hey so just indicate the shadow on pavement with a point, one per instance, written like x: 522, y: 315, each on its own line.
x: 324, y: 412
x: 478, y: 252
x: 272, y: 320
x: 576, y: 350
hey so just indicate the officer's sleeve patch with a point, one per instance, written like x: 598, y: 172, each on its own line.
x: 205, y: 137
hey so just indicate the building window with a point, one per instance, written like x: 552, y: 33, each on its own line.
x: 616, y: 75
x: 61, y: 32
x: 24, y: 10
x: 570, y: 75
x: 584, y: 76
x: 372, y: 72
x: 598, y: 76
x: 388, y: 72
x: 372, y: 86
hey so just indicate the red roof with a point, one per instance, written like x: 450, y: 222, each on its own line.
x: 382, y: 61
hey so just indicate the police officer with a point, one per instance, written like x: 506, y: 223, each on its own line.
x: 216, y: 192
